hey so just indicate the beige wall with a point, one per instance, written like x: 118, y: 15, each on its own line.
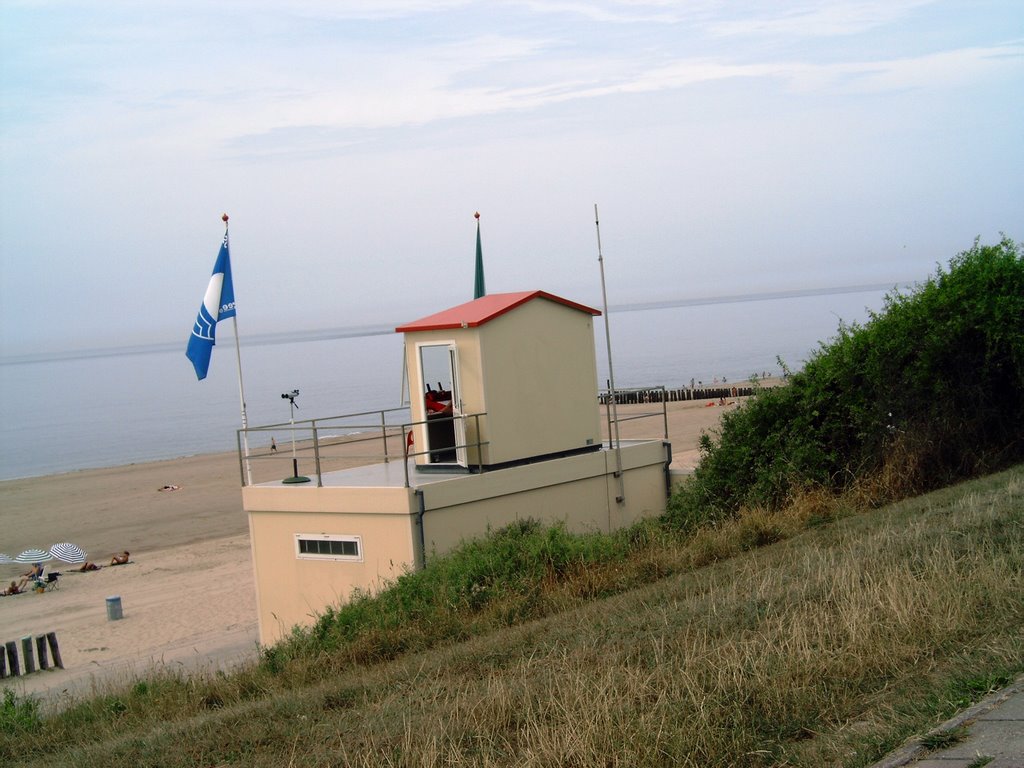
x: 532, y: 370
x: 644, y: 480
x: 293, y: 591
x: 579, y: 490
x: 540, y: 381
x: 573, y: 492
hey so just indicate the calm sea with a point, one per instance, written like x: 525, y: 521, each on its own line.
x: 129, y: 406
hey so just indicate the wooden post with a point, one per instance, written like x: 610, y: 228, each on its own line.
x: 44, y: 661
x: 51, y: 639
x: 30, y: 659
x: 3, y: 662
x: 12, y: 658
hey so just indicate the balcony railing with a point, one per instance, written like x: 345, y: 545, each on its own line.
x: 653, y: 396
x: 334, y: 443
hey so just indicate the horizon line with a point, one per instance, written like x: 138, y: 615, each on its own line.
x: 380, y: 329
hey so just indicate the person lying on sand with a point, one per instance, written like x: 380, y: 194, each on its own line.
x: 87, y: 566
x: 11, y: 590
x: 119, y: 559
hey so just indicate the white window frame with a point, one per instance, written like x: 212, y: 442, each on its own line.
x: 300, y: 555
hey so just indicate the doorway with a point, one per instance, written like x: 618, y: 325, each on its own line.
x: 439, y: 386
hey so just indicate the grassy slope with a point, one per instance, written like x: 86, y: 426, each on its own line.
x: 826, y: 649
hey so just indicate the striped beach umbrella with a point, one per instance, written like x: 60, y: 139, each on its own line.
x: 33, y: 556
x: 5, y: 559
x: 67, y: 552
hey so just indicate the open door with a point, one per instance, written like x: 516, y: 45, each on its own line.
x: 439, y: 386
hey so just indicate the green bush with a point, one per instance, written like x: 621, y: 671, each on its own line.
x: 500, y: 577
x: 936, y: 381
x: 18, y: 714
x: 928, y: 391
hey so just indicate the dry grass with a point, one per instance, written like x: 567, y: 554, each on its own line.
x: 828, y: 648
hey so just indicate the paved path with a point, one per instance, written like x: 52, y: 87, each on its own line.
x: 994, y: 736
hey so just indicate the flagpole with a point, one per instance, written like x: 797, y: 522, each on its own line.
x: 241, y: 388
x: 611, y: 375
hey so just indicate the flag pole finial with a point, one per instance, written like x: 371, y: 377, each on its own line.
x: 477, y: 215
x: 224, y: 218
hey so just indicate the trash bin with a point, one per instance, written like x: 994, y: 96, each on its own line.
x: 114, y: 608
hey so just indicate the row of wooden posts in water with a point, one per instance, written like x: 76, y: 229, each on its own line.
x: 42, y: 646
x: 637, y: 396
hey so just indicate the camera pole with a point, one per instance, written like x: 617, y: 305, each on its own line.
x: 296, y: 477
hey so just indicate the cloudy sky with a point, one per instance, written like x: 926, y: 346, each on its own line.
x: 732, y: 147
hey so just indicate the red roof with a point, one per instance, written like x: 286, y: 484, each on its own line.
x: 479, y: 311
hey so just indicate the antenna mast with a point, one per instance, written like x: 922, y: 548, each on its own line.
x: 611, y: 374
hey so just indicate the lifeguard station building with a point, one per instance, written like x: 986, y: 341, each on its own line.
x: 504, y: 424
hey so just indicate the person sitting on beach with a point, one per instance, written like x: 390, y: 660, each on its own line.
x: 34, y: 574
x: 119, y: 559
x: 11, y: 590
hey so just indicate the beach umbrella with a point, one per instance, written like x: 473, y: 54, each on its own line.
x: 68, y: 552
x: 33, y: 556
x: 4, y: 559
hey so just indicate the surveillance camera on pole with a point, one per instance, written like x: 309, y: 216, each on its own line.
x: 296, y: 477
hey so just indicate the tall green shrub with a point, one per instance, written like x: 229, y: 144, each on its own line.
x: 930, y: 388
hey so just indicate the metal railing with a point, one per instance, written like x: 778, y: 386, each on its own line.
x: 645, y: 395
x: 316, y: 437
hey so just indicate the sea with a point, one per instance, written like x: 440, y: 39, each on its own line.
x: 68, y: 412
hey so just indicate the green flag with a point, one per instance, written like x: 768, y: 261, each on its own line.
x: 478, y: 283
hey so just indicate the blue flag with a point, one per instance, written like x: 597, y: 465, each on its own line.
x: 218, y: 304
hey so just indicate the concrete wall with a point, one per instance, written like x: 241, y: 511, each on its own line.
x: 579, y: 490
x: 293, y: 591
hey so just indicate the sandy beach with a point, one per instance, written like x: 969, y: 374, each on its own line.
x: 187, y: 595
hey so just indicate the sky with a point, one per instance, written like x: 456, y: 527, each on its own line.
x: 731, y: 148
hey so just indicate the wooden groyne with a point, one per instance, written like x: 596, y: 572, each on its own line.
x: 683, y: 394
x: 41, y: 648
